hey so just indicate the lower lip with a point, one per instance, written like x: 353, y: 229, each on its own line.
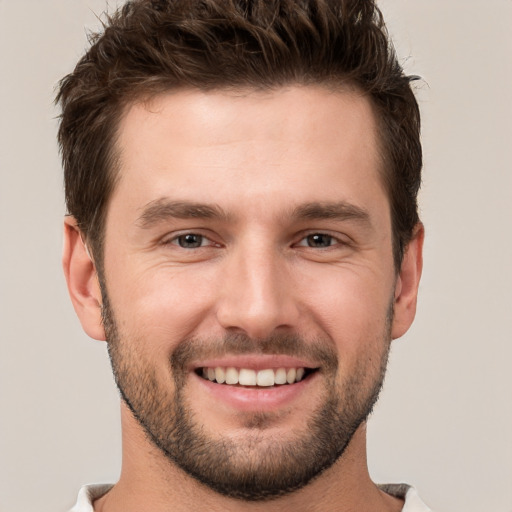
x: 256, y: 399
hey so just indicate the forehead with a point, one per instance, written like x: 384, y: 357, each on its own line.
x: 243, y: 147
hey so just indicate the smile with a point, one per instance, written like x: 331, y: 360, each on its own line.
x: 267, y: 377
x: 256, y: 382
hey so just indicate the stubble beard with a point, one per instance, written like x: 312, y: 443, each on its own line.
x: 257, y: 467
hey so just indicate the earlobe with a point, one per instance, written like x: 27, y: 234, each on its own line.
x: 82, y: 280
x: 407, y: 283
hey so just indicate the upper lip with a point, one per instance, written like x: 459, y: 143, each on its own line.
x: 254, y: 362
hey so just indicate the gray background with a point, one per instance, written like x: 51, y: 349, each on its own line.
x: 444, y: 422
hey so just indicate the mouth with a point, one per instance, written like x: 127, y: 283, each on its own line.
x: 255, y: 382
x: 248, y: 377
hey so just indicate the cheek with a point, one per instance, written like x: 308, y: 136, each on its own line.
x: 352, y: 308
x: 162, y: 305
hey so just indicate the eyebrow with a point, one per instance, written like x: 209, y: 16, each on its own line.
x: 164, y: 209
x: 339, y: 210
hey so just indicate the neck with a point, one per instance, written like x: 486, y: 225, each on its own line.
x: 149, y: 481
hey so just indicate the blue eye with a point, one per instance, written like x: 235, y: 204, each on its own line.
x: 189, y: 241
x: 319, y: 240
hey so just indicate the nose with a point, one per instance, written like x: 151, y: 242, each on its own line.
x: 257, y: 294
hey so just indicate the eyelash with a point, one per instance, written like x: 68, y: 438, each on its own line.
x: 333, y: 240
x: 309, y: 237
x: 175, y: 240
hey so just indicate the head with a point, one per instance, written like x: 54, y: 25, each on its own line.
x: 245, y: 176
x: 151, y: 46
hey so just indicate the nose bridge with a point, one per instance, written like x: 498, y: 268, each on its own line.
x: 257, y: 296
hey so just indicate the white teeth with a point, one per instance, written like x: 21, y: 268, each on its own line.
x: 265, y: 378
x: 290, y: 375
x: 248, y: 377
x: 231, y: 375
x: 280, y: 377
x: 220, y: 375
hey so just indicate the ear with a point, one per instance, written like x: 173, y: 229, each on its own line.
x: 408, y: 280
x: 82, y: 280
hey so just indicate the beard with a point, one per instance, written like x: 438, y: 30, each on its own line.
x: 257, y: 465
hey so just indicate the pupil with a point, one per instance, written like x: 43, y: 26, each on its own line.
x: 319, y: 240
x: 190, y: 241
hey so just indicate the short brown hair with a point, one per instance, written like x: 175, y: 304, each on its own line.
x: 151, y: 46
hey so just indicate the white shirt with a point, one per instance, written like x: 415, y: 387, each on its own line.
x: 89, y: 493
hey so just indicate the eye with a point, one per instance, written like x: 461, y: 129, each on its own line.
x: 190, y: 241
x: 318, y: 240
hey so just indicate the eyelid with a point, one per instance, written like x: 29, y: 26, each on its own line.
x: 171, y: 238
x: 340, y: 239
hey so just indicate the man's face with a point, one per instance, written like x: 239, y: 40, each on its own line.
x: 249, y: 239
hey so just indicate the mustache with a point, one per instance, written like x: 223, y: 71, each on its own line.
x: 320, y: 351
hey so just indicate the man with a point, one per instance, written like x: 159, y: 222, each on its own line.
x: 241, y: 182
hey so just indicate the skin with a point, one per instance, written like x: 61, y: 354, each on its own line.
x: 259, y: 156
